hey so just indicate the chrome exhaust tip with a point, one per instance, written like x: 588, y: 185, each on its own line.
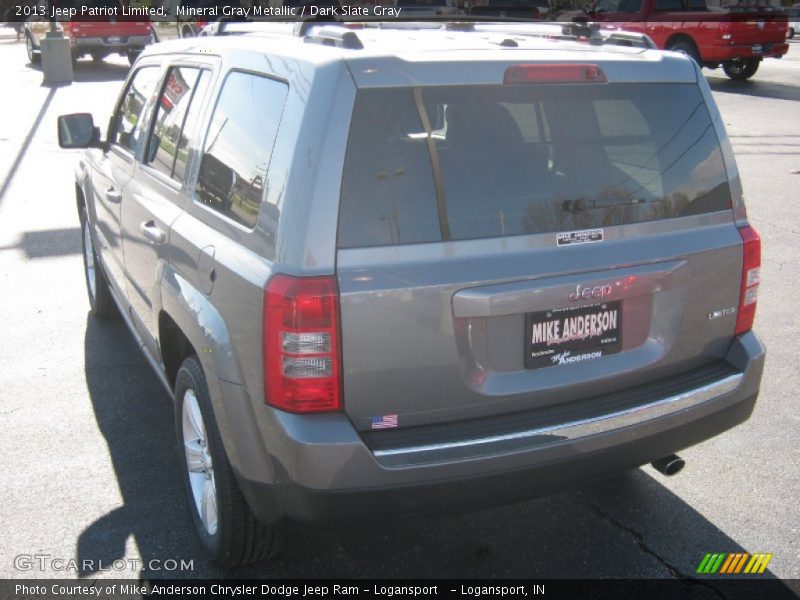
x: 669, y: 465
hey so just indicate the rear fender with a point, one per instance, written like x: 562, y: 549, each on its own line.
x: 204, y: 327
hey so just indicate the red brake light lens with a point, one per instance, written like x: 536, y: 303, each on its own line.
x: 751, y: 276
x: 301, y: 344
x: 555, y: 73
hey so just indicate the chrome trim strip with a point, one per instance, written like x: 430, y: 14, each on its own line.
x: 586, y: 427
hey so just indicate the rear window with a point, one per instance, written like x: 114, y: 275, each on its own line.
x: 456, y: 163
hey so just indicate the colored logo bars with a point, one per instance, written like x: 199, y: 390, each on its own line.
x: 731, y: 563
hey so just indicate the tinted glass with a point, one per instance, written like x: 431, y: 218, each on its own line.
x: 669, y: 5
x: 520, y: 159
x: 169, y: 118
x: 239, y: 145
x: 190, y: 131
x: 129, y: 122
x: 177, y: 111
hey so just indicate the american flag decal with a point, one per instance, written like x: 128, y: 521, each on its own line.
x: 384, y: 422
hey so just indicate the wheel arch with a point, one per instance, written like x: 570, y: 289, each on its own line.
x: 189, y: 324
x: 682, y: 37
x: 186, y: 309
x: 174, y: 345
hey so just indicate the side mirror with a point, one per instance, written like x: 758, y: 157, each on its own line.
x: 78, y: 131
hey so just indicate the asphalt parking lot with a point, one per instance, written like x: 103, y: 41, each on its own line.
x: 89, y: 465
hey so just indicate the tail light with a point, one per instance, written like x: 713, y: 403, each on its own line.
x: 554, y: 73
x: 751, y: 275
x: 302, y: 366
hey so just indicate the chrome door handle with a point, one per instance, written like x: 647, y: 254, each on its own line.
x: 113, y: 195
x: 153, y: 232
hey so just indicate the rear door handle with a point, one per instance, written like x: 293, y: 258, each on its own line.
x: 113, y: 195
x: 153, y: 232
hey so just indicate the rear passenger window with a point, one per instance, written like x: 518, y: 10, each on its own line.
x: 129, y: 121
x: 168, y: 144
x: 523, y: 159
x: 238, y: 146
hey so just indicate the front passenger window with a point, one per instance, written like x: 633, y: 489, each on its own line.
x: 129, y: 121
x: 169, y: 142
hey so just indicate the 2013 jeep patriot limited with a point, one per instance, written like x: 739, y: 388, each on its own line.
x: 389, y: 271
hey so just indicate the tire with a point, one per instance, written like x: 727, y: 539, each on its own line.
x: 100, y: 301
x: 230, y: 534
x: 34, y: 57
x: 685, y: 47
x: 739, y: 70
x: 187, y: 32
x: 791, y: 33
x: 97, y: 57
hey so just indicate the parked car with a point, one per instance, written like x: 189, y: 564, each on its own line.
x: 522, y: 9
x: 375, y: 286
x: 97, y: 37
x: 426, y: 8
x: 793, y: 15
x: 737, y: 41
x: 187, y: 18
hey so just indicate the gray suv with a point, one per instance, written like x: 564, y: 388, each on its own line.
x: 384, y: 271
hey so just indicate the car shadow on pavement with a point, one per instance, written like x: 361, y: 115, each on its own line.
x: 48, y: 243
x: 134, y: 414
x: 91, y: 71
x: 628, y: 527
x: 755, y: 88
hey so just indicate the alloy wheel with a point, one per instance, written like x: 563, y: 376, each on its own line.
x: 199, y: 464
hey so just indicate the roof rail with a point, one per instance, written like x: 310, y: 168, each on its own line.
x: 333, y: 33
x: 328, y: 34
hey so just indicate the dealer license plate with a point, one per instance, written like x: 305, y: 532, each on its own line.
x: 113, y: 40
x: 571, y: 335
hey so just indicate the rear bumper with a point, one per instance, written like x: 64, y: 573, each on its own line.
x: 717, y: 54
x: 120, y: 44
x: 322, y: 470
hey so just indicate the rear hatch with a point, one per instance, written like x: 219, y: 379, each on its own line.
x: 757, y: 27
x: 509, y: 247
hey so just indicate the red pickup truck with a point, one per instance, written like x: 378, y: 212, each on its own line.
x: 94, y: 35
x: 737, y: 41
